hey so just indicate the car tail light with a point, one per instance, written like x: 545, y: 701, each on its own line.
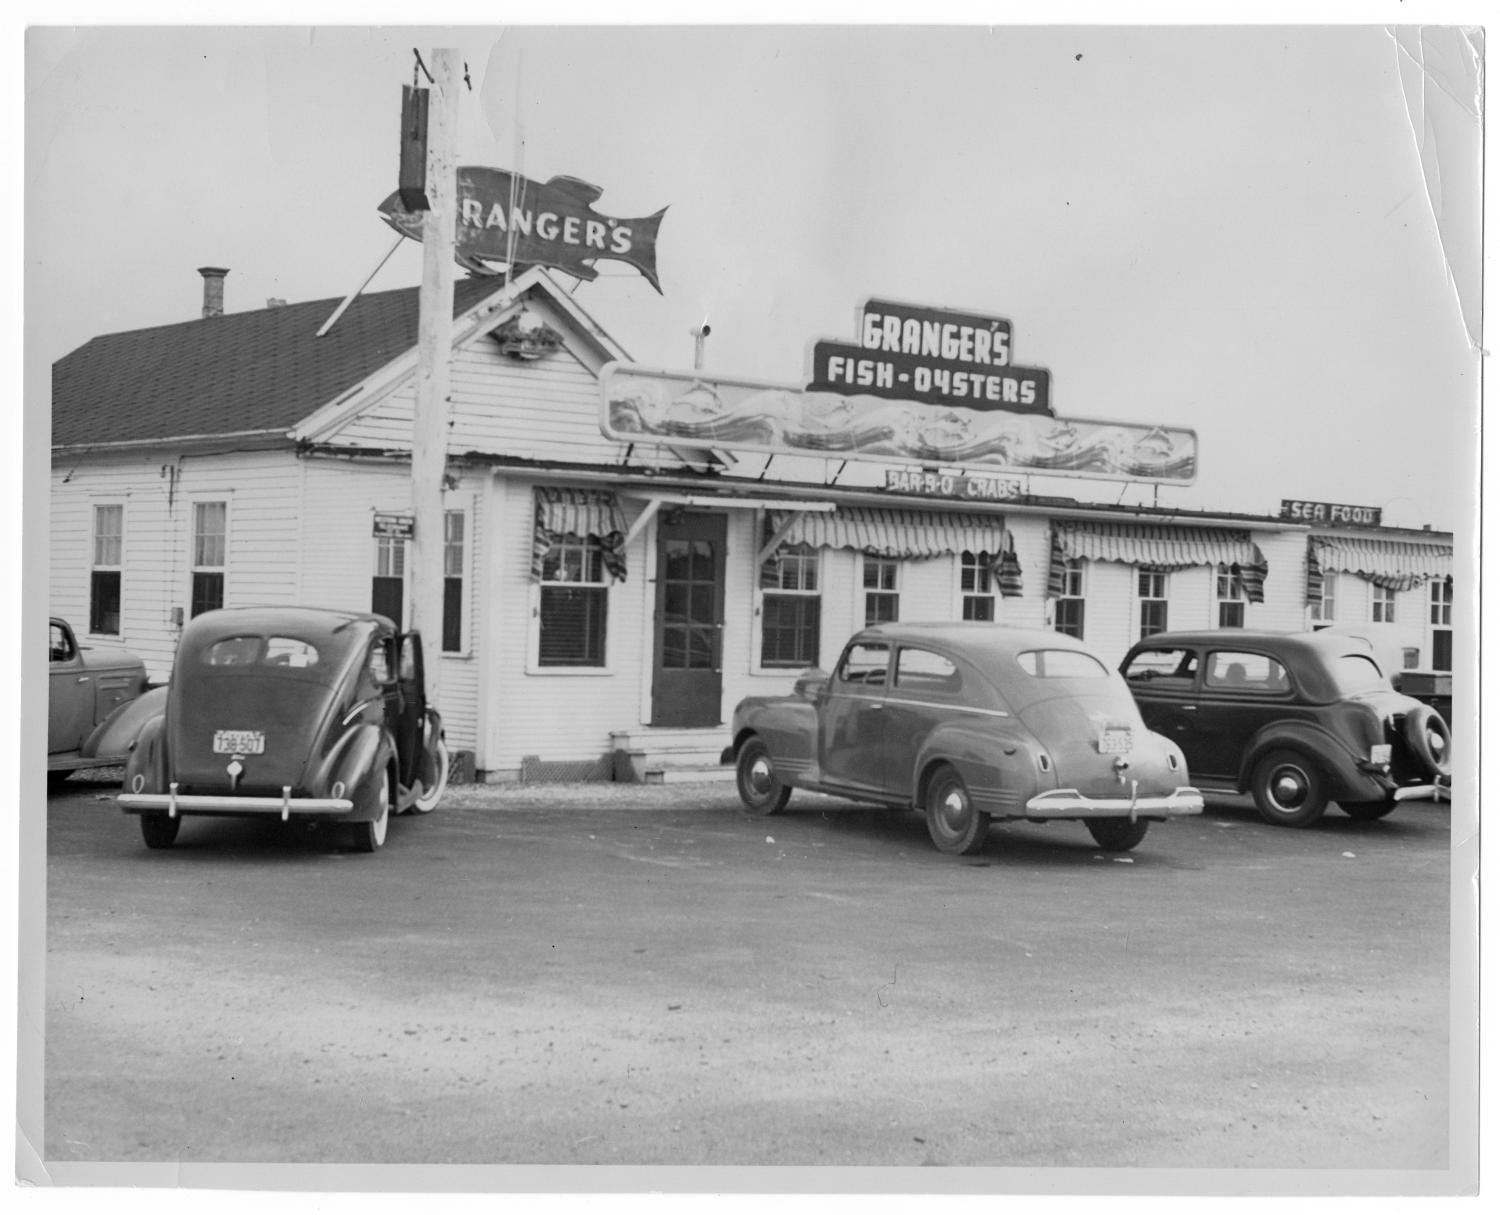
x: 1172, y: 760
x: 1044, y: 761
x: 1380, y: 753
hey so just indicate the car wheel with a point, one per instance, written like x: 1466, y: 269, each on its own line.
x: 1367, y: 812
x: 760, y: 788
x: 1427, y: 736
x: 1117, y: 834
x: 955, y: 825
x: 435, y: 765
x: 370, y: 836
x: 160, y: 830
x: 1288, y: 790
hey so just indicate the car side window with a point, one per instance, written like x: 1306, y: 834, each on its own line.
x: 60, y: 648
x: 865, y: 664
x: 1233, y: 671
x: 924, y: 671
x: 378, y: 664
x: 1168, y: 667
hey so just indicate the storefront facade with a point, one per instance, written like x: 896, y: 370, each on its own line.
x: 607, y: 602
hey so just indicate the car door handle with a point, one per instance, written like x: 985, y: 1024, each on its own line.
x: 1189, y: 708
x: 83, y: 679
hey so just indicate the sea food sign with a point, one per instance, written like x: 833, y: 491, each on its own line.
x: 504, y: 217
x: 1330, y: 513
x: 887, y: 420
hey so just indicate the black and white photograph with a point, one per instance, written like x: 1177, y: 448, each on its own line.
x: 780, y: 602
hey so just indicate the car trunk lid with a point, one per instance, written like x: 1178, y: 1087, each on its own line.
x: 266, y: 724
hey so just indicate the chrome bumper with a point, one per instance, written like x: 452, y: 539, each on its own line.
x: 1069, y: 803
x: 1436, y: 792
x: 285, y: 806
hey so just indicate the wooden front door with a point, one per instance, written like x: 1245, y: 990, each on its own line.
x: 687, y: 684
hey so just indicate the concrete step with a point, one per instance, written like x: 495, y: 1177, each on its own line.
x: 683, y: 775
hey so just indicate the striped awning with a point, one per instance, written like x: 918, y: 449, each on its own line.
x: 885, y: 532
x: 1396, y: 564
x: 1314, y: 574
x: 583, y: 514
x: 1161, y: 546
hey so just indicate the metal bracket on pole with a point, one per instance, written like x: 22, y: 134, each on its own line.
x: 353, y: 295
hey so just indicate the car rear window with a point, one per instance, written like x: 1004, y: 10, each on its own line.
x: 1355, y: 673
x: 1061, y: 664
x: 925, y: 671
x: 263, y: 651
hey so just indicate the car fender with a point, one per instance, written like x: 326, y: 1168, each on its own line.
x: 146, y: 759
x: 122, y: 728
x: 788, y: 727
x: 1321, y: 746
x: 997, y: 765
x: 357, y: 759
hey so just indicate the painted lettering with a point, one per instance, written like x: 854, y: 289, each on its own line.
x: 571, y: 224
x: 619, y: 239
x: 472, y: 212
x: 546, y: 225
x: 593, y: 234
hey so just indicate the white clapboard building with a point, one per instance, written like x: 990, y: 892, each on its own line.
x: 606, y: 603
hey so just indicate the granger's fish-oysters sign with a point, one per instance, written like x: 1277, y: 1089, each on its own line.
x: 504, y: 217
x: 922, y: 386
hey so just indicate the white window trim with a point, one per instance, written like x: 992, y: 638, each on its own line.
x: 960, y: 595
x: 611, y: 623
x: 94, y: 505
x: 757, y: 617
x: 1083, y: 595
x: 1216, y: 602
x: 861, y: 590
x: 465, y: 629
x: 219, y: 498
x: 1137, y: 599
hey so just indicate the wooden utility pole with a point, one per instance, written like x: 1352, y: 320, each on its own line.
x: 429, y: 428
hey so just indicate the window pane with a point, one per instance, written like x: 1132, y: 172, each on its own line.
x: 572, y: 626
x: 386, y: 598
x: 1061, y: 664
x: 924, y: 671
x: 208, y: 533
x: 865, y: 664
x: 1169, y: 668
x: 108, y: 521
x: 453, y: 609
x: 208, y: 593
x: 1232, y: 671
x: 978, y: 607
x: 104, y: 602
x: 1069, y: 618
x: 453, y: 545
x: 789, y: 630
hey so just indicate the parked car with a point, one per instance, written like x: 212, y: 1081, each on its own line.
x: 1295, y: 719
x: 85, y: 686
x: 287, y: 712
x: 968, y: 723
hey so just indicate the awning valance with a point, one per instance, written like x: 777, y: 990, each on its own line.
x: 1396, y: 564
x: 1160, y: 546
x: 885, y: 532
x: 583, y: 514
x: 908, y: 534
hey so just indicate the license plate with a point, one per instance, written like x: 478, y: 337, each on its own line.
x: 239, y: 742
x: 1114, y: 742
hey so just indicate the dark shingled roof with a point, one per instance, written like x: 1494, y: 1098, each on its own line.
x: 243, y: 371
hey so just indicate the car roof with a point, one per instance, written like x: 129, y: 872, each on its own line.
x: 974, y: 636
x: 311, y: 623
x: 1321, y: 641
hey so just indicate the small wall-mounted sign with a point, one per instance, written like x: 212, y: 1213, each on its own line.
x: 1330, y: 513
x: 400, y: 527
x: 930, y: 483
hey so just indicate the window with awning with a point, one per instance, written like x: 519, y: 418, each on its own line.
x: 1157, y: 547
x: 913, y: 535
x: 1392, y: 564
x: 581, y: 516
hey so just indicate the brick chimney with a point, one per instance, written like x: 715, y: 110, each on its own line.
x: 213, y: 290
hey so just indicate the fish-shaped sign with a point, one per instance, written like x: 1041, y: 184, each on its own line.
x: 504, y: 217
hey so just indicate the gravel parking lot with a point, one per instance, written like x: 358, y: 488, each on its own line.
x: 605, y: 974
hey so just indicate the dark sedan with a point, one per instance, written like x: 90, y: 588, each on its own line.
x: 290, y: 713
x: 1295, y: 719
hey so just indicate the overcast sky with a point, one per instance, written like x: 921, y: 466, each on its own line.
x: 1223, y: 228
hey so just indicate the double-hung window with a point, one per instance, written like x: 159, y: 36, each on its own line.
x: 388, y: 586
x: 1440, y: 615
x: 1069, y: 613
x: 1230, y: 592
x: 1151, y: 594
x: 210, y: 536
x: 882, y: 596
x: 453, y: 582
x: 791, y: 608
x: 1382, y: 604
x: 1324, y: 610
x: 976, y: 585
x: 574, y: 604
x: 104, y: 577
